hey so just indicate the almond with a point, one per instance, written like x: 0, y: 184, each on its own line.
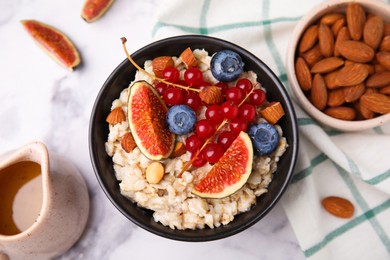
x: 353, y: 93
x: 178, y: 150
x: 273, y: 112
x: 376, y: 102
x: 378, y: 80
x: 386, y: 29
x: 211, y: 95
x: 319, y: 93
x: 313, y: 55
x: 128, y: 143
x: 385, y: 90
x: 116, y: 116
x: 331, y: 18
x: 356, y: 51
x: 326, y: 40
x: 364, y: 111
x: 341, y: 112
x: 343, y: 35
x: 371, y: 90
x: 330, y: 79
x: 383, y: 58
x: 336, y: 27
x: 160, y: 64
x: 356, y: 19
x: 385, y: 44
x: 338, y: 207
x: 336, y: 97
x: 327, y: 65
x: 373, y: 31
x: 351, y: 75
x: 303, y: 74
x: 379, y: 68
x: 309, y: 38
x: 188, y: 58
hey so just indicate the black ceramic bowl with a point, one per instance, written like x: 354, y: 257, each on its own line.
x: 102, y: 163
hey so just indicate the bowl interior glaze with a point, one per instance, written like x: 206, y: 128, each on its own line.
x: 103, y: 166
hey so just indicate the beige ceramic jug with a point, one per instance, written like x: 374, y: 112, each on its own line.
x: 62, y: 212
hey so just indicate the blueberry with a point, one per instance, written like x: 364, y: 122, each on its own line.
x: 264, y: 138
x: 226, y: 65
x: 181, y: 119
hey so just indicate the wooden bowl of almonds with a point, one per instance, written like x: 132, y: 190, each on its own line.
x: 338, y: 64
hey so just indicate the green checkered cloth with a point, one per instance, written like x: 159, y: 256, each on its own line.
x: 355, y: 166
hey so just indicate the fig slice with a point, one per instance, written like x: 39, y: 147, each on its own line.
x: 94, y: 9
x: 147, y: 121
x: 53, y: 42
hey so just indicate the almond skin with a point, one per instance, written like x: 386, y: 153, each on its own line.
x: 211, y: 95
x: 319, y: 93
x: 309, y: 38
x: 188, y: 58
x: 313, y: 55
x: 353, y: 93
x: 331, y: 18
x: 385, y: 44
x: 378, y: 80
x: 364, y: 111
x: 273, y: 112
x: 356, y: 51
x: 336, y: 97
x: 336, y: 27
x: 373, y: 31
x: 386, y: 30
x: 351, y: 75
x: 383, y: 57
x: 341, y: 112
x: 376, y: 102
x: 343, y: 35
x: 338, y: 207
x: 160, y: 64
x: 326, y: 40
x: 327, y: 65
x: 330, y: 79
x: 303, y: 74
x: 385, y: 90
x: 116, y: 116
x: 356, y: 19
x: 128, y: 143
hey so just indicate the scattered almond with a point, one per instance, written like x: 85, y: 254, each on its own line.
x: 341, y: 112
x: 376, y: 102
x: 356, y: 19
x: 128, y: 143
x: 211, y: 95
x: 154, y: 172
x: 326, y: 40
x: 116, y: 116
x: 178, y: 150
x: 373, y: 31
x: 336, y: 97
x: 378, y: 80
x: 327, y: 65
x: 319, y: 95
x: 303, y: 74
x: 160, y: 64
x: 353, y: 93
x: 356, y: 51
x: 273, y: 112
x: 383, y: 58
x: 188, y: 58
x: 385, y: 44
x: 338, y: 207
x: 351, y: 75
x: 313, y: 55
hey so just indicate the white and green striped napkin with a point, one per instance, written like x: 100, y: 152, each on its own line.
x: 355, y: 166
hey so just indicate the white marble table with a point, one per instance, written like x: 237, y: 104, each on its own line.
x: 42, y: 101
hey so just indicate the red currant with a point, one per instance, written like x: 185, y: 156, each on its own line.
x: 213, y: 152
x: 213, y: 113
x: 257, y: 98
x: 193, y: 100
x: 161, y: 87
x: 229, y: 110
x: 234, y: 95
x: 223, y: 86
x: 171, y: 74
x: 225, y: 139
x: 173, y: 96
x: 204, y: 129
x: 203, y: 85
x: 193, y: 76
x: 193, y: 143
x: 237, y: 125
x: 245, y: 85
x: 199, y: 161
x: 248, y: 112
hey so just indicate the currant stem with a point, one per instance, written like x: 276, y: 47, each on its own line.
x: 124, y: 40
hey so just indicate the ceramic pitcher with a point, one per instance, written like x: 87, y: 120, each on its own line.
x: 64, y: 211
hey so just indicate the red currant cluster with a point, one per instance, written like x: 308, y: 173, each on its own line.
x: 239, y: 116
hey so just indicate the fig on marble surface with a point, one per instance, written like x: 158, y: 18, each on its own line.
x: 53, y: 42
x: 94, y: 9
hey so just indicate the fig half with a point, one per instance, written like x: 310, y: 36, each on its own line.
x: 53, y: 42
x: 94, y: 9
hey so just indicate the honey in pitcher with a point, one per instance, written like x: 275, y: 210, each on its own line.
x: 20, y: 197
